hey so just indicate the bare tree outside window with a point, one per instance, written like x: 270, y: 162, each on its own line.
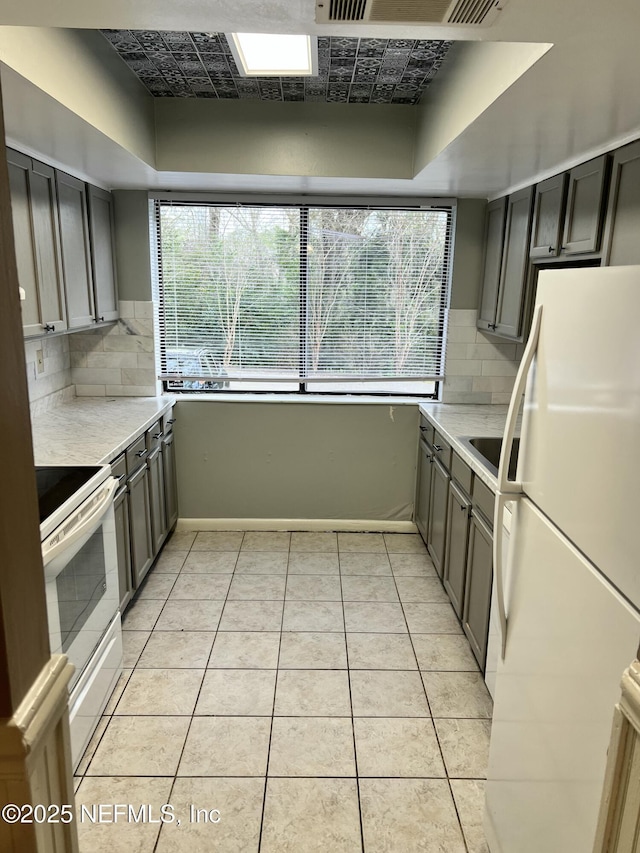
x: 365, y: 305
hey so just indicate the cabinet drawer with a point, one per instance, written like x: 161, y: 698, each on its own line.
x: 119, y: 468
x: 483, y: 499
x: 427, y: 430
x: 154, y: 436
x: 168, y: 420
x: 442, y: 450
x: 136, y: 454
x: 461, y: 473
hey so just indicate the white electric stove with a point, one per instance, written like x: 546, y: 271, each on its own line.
x: 77, y: 531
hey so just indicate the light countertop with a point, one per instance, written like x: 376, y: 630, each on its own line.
x: 93, y: 430
x: 469, y: 420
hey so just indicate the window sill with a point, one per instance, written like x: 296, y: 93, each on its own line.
x: 326, y: 399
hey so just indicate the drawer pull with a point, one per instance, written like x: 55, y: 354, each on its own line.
x: 142, y: 453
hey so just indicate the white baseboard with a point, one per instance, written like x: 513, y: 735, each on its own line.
x: 341, y: 524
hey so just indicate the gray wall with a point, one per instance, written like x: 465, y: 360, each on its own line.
x: 133, y: 258
x: 296, y: 460
x: 292, y: 138
x: 468, y: 253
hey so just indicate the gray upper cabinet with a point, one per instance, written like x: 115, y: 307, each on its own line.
x: 36, y: 236
x: 19, y: 168
x: 585, y: 207
x: 621, y: 241
x: 548, y: 218
x: 44, y: 211
x: 493, y: 245
x: 76, y: 256
x: 102, y: 253
x: 515, y: 264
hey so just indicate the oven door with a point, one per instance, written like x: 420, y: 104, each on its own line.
x: 81, y: 578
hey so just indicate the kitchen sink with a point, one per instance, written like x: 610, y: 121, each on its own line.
x: 487, y: 450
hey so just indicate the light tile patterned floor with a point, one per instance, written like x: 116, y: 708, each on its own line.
x: 315, y: 688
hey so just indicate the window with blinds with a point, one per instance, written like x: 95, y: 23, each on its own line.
x: 302, y: 298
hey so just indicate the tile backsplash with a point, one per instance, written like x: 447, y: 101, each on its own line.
x: 478, y: 368
x: 54, y: 383
x: 117, y: 360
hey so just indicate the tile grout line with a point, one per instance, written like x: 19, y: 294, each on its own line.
x: 410, y: 636
x: 278, y: 670
x: 133, y: 669
x: 215, y: 634
x: 175, y: 775
x: 353, y: 724
x: 435, y: 730
x: 273, y: 706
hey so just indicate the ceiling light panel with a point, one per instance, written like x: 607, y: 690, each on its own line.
x: 268, y: 55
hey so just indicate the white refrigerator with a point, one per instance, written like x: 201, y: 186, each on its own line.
x: 569, y: 593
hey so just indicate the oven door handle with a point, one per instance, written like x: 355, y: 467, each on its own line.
x: 85, y: 527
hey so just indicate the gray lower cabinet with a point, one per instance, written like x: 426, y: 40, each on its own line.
x: 156, y: 499
x: 102, y: 253
x: 621, y: 241
x: 477, y: 594
x: 123, y: 541
x: 140, y: 524
x: 170, y: 480
x: 439, y: 501
x: 146, y: 505
x: 76, y: 252
x: 455, y: 564
x: 423, y: 491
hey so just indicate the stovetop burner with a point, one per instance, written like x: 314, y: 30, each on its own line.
x: 58, y: 483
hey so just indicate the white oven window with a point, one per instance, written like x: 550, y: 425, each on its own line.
x: 82, y: 595
x: 80, y: 587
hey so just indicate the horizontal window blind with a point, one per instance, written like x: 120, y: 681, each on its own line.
x: 320, y: 297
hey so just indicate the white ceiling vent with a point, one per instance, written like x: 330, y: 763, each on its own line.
x: 461, y: 12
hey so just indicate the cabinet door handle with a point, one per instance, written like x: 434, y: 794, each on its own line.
x: 171, y: 421
x: 49, y: 328
x: 552, y: 249
x: 437, y: 448
x: 158, y: 435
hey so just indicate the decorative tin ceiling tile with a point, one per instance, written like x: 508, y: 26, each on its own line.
x: 350, y: 70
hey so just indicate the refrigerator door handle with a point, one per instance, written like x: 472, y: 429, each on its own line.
x: 504, y: 483
x: 498, y: 527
